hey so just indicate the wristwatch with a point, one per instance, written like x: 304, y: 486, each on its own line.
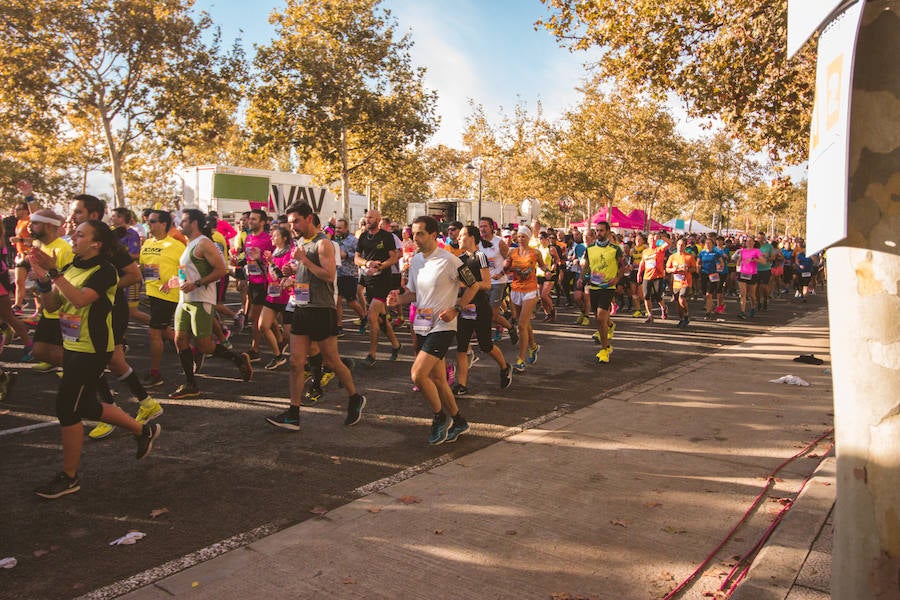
x: 53, y: 274
x: 198, y: 283
x: 457, y: 308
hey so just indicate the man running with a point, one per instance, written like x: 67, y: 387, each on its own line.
x: 257, y: 243
x: 315, y: 317
x: 652, y: 275
x: 200, y: 267
x: 434, y: 278
x: 602, y: 271
x: 376, y: 253
x: 681, y: 265
x: 764, y: 271
x: 496, y: 250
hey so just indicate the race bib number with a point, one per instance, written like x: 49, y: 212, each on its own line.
x: 424, y: 320
x: 274, y: 289
x: 301, y: 293
x: 150, y: 272
x: 678, y: 276
x: 70, y: 325
x: 714, y: 277
x: 469, y: 312
x: 806, y: 274
x: 650, y: 263
x: 598, y: 279
x: 746, y: 276
x: 253, y: 269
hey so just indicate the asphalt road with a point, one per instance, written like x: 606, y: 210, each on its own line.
x: 220, y: 471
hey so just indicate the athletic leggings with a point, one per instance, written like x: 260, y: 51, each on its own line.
x: 76, y: 398
x: 481, y: 325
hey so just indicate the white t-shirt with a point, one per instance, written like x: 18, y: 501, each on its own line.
x: 435, y: 281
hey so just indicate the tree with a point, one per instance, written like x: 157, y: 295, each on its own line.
x: 724, y: 59
x: 126, y: 68
x: 338, y: 81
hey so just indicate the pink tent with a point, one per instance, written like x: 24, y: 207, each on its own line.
x: 640, y: 217
x: 616, y: 218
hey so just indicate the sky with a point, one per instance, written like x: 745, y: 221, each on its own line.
x: 486, y: 50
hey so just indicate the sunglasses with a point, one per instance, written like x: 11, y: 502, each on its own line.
x: 152, y: 222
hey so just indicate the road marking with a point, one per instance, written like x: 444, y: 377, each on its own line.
x: 27, y: 428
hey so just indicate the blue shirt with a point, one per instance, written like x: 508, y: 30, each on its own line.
x: 709, y: 259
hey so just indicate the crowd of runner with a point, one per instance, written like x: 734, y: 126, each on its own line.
x: 88, y: 274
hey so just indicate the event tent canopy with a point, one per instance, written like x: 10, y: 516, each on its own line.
x: 688, y: 226
x: 617, y: 219
x: 640, y: 217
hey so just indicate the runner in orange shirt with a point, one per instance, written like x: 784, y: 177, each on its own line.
x: 682, y: 266
x: 522, y: 262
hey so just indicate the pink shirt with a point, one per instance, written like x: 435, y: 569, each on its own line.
x: 748, y: 265
x: 279, y: 261
x: 256, y: 270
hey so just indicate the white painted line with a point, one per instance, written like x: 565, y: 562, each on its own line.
x: 27, y: 428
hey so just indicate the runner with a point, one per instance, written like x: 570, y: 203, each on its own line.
x: 83, y: 294
x: 546, y: 277
x: 476, y: 317
x: 522, y: 262
x: 315, y: 317
x: 764, y: 270
x: 712, y: 266
x: 574, y: 272
x: 276, y: 296
x: 496, y: 250
x: 682, y: 265
x: 434, y: 278
x: 256, y: 246
x: 348, y: 274
x: 376, y: 253
x: 602, y: 271
x: 748, y: 258
x: 200, y: 266
x: 160, y: 256
x: 651, y: 275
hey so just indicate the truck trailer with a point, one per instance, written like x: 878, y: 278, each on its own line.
x: 464, y: 210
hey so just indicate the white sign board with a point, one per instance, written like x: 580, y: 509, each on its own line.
x: 829, y: 141
x: 804, y: 18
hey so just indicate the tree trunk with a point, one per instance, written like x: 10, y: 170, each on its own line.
x: 115, y: 157
x: 345, y: 176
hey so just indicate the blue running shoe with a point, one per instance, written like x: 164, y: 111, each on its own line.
x: 440, y: 429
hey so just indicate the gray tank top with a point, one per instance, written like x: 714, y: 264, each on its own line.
x: 321, y: 293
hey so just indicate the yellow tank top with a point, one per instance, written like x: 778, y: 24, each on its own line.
x: 159, y: 263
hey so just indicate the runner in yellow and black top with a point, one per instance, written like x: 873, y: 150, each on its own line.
x: 160, y: 256
x: 602, y: 271
x: 84, y: 293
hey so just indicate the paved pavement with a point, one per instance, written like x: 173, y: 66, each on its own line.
x: 621, y: 499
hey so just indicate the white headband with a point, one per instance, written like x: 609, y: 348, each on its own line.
x: 35, y: 218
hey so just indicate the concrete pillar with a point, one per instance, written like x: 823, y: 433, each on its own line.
x: 864, y: 313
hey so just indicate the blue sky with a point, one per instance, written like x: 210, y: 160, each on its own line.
x: 485, y: 50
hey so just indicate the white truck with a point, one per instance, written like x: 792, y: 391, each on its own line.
x: 463, y: 209
x: 237, y: 189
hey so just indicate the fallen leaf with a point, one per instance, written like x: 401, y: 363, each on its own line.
x: 349, y: 581
x: 439, y: 531
x: 336, y: 460
x: 511, y: 532
x: 374, y: 510
x: 195, y: 584
x: 652, y: 504
x: 620, y: 522
x: 673, y: 530
x: 157, y: 512
x: 40, y: 553
x: 813, y: 455
x: 409, y: 499
x: 318, y: 510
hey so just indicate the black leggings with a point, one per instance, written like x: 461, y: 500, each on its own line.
x: 481, y: 325
x: 76, y: 398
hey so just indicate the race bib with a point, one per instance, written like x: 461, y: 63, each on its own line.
x: 150, y: 272
x: 650, y: 263
x: 301, y: 293
x: 714, y: 277
x: 746, y: 276
x: 469, y: 312
x: 70, y: 325
x: 598, y: 279
x: 424, y: 320
x: 678, y: 276
x: 274, y: 289
x: 253, y: 269
x: 805, y: 274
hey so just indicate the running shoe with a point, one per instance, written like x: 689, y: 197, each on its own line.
x: 603, y: 355
x: 152, y: 380
x: 514, y: 335
x: 285, y: 421
x: 239, y: 321
x: 498, y: 335
x: 32, y: 321
x: 313, y: 394
x: 459, y: 389
x: 741, y: 315
x: 472, y: 357
x: 665, y: 314
x: 145, y: 441
x: 149, y: 409
x: 276, y: 362
x: 355, y: 406
x: 648, y: 320
x: 245, y: 367
x: 395, y: 352
x: 680, y: 323
x: 362, y: 326
x: 451, y: 374
x: 340, y: 332
x: 327, y: 376
x: 637, y: 314
x: 614, y: 309
x: 59, y: 486
x: 28, y: 354
x: 456, y: 430
x: 708, y: 316
x: 101, y: 431
x: 440, y: 427
x: 752, y: 312
x: 519, y: 367
x: 611, y: 330
x: 254, y: 356
x: 185, y: 391
x: 369, y: 360
x: 596, y: 337
x: 533, y: 353
x: 585, y: 320
x: 506, y: 377
x: 43, y: 367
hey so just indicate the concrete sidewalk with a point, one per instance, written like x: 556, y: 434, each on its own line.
x: 622, y: 499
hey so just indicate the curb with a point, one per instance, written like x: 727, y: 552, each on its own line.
x: 776, y: 567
